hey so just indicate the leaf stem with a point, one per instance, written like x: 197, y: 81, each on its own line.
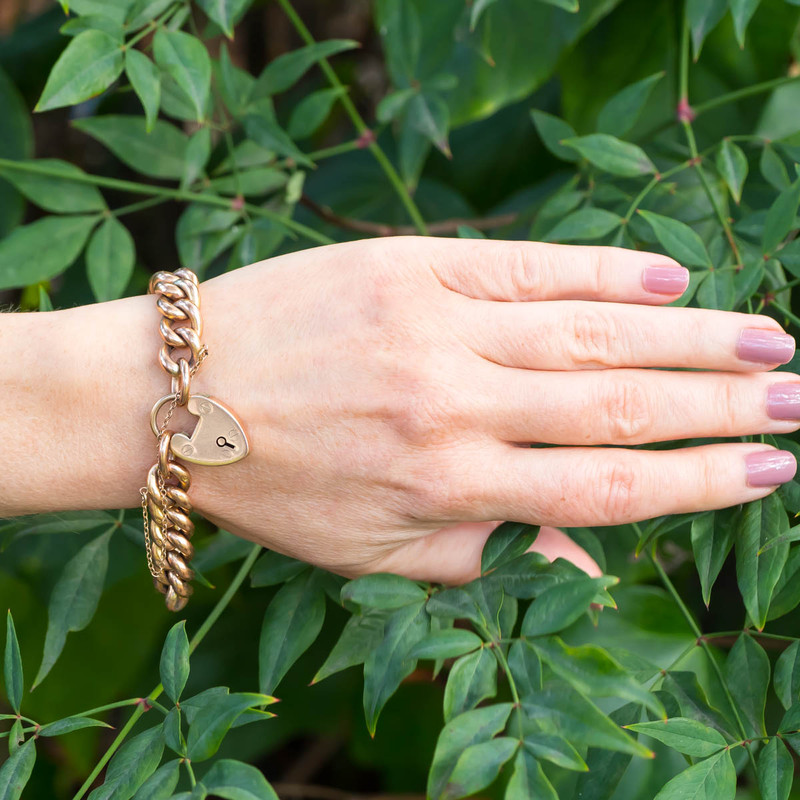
x: 654, y: 181
x: 358, y: 121
x: 786, y: 312
x: 740, y: 94
x: 172, y: 194
x: 142, y: 705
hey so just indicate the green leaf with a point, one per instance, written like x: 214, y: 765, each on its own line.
x: 110, y: 257
x: 91, y: 62
x: 717, y: 290
x: 787, y: 675
x: 383, y: 590
x: 131, y: 766
x: 285, y: 70
x: 747, y: 676
x: 702, y: 16
x: 159, y: 154
x: 226, y: 13
x: 235, y: 84
x: 253, y: 182
x: 732, y: 166
x: 528, y: 781
x: 691, y: 698
x: 773, y: 169
x: 309, y: 114
x: 567, y: 5
x: 264, y: 129
x: 559, y: 709
x: 234, y: 780
x: 16, y: 143
x: 78, y: 25
x: 687, y: 736
x: 74, y: 599
x: 361, y: 635
x: 390, y: 662
x: 174, y: 665
x: 12, y: 665
x: 712, y: 540
x: 780, y: 218
x: 173, y: 731
x: 478, y: 766
x: 472, y: 678
x: 393, y: 104
x: 553, y: 131
x: 453, y: 603
x: 209, y: 725
x: 143, y: 11
x: 186, y: 59
x: 505, y: 543
x: 593, y: 672
x: 620, y: 113
x: 477, y: 10
x: 712, y: 779
x: 742, y: 12
x: 56, y: 192
x: 16, y: 771
x: 447, y: 643
x: 291, y: 624
x: 679, y: 240
x: 273, y: 568
x: 758, y: 572
x: 70, y: 724
x: 146, y: 82
x: 467, y: 729
x: 556, y: 749
x: 428, y: 114
x: 15, y: 737
x: 197, y: 152
x: 526, y: 667
x: 775, y: 771
x: 558, y: 606
x: 585, y: 223
x: 113, y: 9
x: 612, y: 155
x: 161, y: 784
x: 23, y: 260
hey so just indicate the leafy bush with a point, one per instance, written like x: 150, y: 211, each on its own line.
x: 634, y: 123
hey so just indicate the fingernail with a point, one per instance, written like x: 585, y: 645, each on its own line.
x: 770, y: 468
x: 765, y: 347
x: 665, y: 280
x: 783, y: 401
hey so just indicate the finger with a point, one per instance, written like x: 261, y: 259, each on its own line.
x: 632, y: 406
x: 511, y: 270
x: 585, y: 335
x: 588, y: 486
x: 453, y: 555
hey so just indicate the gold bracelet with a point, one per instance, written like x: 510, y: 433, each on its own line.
x: 218, y: 438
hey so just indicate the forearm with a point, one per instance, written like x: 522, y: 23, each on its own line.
x: 77, y: 386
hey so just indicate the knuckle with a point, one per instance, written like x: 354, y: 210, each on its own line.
x: 729, y: 405
x: 601, y: 268
x: 615, y: 490
x: 526, y: 277
x: 592, y: 338
x: 627, y: 412
x: 432, y: 487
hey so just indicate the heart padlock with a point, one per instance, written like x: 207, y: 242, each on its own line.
x: 217, y: 439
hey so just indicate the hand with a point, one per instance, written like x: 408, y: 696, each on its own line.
x: 387, y: 386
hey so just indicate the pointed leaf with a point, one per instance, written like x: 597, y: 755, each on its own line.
x: 747, y: 676
x: 234, y: 780
x: 775, y: 770
x: 787, y: 675
x: 555, y: 749
x: 679, y: 240
x: 226, y: 13
x: 291, y: 624
x: 712, y: 540
x: 429, y: 115
x: 585, y: 223
x: 16, y: 771
x: 91, y: 62
x: 717, y: 290
x: 146, y: 82
x: 309, y: 114
x: 74, y: 599
x: 732, y: 165
x: 449, y: 643
x: 684, y: 735
x: 383, y: 590
x: 742, y: 12
x: 702, y: 16
x: 174, y: 667
x: 620, y: 113
x: 559, y: 606
x: 273, y: 568
x: 12, y: 665
x: 780, y: 218
x: 526, y: 667
x: 711, y: 779
x: 161, y: 784
x: 70, y: 724
x: 57, y: 191
x: 131, y: 766
x: 361, y: 635
x: 23, y: 260
x: 528, y: 781
x: 553, y: 131
x: 110, y: 257
x: 472, y: 678
x: 612, y: 155
x: 186, y: 59
x: 478, y: 766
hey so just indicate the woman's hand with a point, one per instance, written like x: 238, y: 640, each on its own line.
x: 388, y: 388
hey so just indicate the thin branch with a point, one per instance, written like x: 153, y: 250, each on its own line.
x: 383, y: 229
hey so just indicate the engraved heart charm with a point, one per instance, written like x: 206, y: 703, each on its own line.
x: 217, y: 439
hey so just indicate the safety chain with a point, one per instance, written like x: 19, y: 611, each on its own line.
x: 217, y: 439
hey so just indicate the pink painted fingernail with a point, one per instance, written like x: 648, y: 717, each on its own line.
x: 770, y: 468
x: 765, y: 347
x: 665, y: 280
x: 783, y: 401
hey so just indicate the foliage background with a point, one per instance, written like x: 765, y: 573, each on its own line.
x: 444, y: 92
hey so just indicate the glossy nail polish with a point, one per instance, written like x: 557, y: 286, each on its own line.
x: 765, y: 347
x: 770, y: 468
x: 665, y: 280
x: 783, y: 401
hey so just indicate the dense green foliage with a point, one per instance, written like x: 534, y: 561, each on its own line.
x: 640, y: 123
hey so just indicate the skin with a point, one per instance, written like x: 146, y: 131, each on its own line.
x: 387, y: 388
